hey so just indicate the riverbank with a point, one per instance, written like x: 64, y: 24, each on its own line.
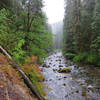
x: 85, y: 58
x: 12, y: 86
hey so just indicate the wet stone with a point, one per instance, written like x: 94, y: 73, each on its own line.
x: 68, y: 86
x: 59, y: 59
x: 64, y: 84
x: 44, y: 65
x: 65, y: 70
x: 77, y: 91
x: 50, y: 79
x: 66, y: 96
x: 72, y: 93
x: 84, y: 93
x: 54, y: 70
x: 65, y: 77
x: 59, y: 79
x: 60, y: 65
x: 48, y: 66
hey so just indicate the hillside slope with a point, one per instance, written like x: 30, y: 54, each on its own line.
x: 12, y: 86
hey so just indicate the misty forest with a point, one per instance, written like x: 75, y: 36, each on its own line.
x: 43, y: 60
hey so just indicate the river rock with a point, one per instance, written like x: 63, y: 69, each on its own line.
x: 65, y: 77
x: 90, y: 87
x: 59, y: 79
x: 44, y: 65
x: 49, y: 63
x: 50, y: 79
x: 54, y: 70
x: 65, y: 70
x: 60, y: 65
x: 59, y: 59
x: 84, y: 93
x: 64, y: 84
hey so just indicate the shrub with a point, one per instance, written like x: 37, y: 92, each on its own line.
x: 81, y: 57
x: 33, y: 72
x: 92, y: 59
x: 70, y: 55
x: 40, y: 53
x: 18, y: 53
x: 87, y: 58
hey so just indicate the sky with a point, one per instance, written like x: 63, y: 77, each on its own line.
x: 54, y: 10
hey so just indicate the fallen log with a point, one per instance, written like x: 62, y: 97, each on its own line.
x: 27, y: 80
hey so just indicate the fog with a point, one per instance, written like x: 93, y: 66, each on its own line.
x: 57, y: 30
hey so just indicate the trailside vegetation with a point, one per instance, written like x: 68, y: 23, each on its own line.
x: 24, y: 34
x: 23, y: 29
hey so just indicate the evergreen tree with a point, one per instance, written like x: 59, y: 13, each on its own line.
x: 81, y: 29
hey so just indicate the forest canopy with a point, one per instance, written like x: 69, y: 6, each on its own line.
x: 23, y: 29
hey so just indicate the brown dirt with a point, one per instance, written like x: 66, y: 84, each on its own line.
x: 12, y: 86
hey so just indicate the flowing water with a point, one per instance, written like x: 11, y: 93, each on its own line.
x: 82, y: 83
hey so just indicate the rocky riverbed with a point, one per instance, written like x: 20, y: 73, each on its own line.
x: 81, y: 83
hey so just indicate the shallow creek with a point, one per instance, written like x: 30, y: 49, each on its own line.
x: 82, y: 83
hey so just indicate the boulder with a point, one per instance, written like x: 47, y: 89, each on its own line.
x: 60, y: 65
x: 65, y: 70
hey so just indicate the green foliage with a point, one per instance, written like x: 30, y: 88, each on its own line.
x: 21, y: 39
x: 87, y: 58
x: 95, y: 46
x: 82, y: 30
x: 69, y: 55
x: 18, y: 53
x: 92, y: 59
x: 35, y: 78
x: 80, y: 57
x: 23, y: 33
x: 40, y: 53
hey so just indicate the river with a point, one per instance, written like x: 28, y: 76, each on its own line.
x: 82, y: 83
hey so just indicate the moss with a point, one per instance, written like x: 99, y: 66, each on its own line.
x: 84, y: 93
x: 65, y: 70
x: 60, y: 65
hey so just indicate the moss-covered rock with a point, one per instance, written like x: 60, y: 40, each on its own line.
x: 65, y: 70
x: 60, y: 65
x: 84, y: 93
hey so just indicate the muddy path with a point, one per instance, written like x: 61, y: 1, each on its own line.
x: 76, y: 85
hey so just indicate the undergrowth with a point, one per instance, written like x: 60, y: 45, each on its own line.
x: 70, y: 55
x: 87, y: 58
x: 32, y: 70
